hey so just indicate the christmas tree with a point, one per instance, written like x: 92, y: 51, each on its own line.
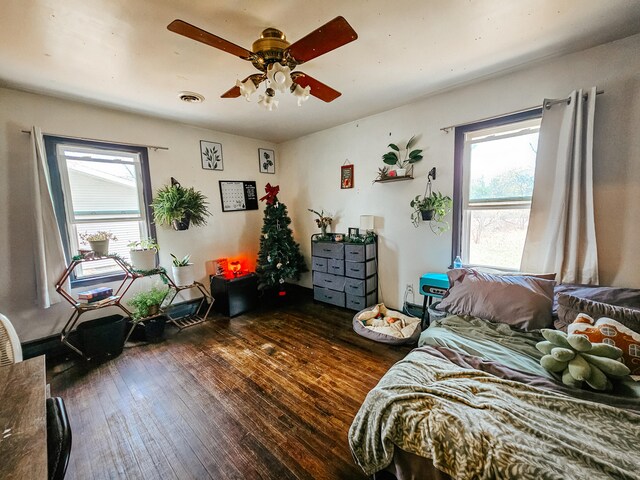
x: 279, y: 257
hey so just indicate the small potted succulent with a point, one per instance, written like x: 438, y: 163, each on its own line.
x: 432, y: 208
x: 410, y: 157
x: 180, y: 207
x: 182, y: 270
x: 143, y: 254
x: 98, y: 241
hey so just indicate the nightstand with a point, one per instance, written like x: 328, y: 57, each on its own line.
x: 432, y: 285
x: 234, y: 294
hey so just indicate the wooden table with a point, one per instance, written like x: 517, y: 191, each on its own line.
x: 23, y: 420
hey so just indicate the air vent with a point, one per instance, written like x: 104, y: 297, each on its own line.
x: 191, y: 97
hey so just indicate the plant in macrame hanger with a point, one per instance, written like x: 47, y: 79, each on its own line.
x: 431, y: 207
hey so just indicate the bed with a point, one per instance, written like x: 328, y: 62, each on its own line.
x: 472, y: 401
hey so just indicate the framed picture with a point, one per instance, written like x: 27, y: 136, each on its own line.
x: 267, y: 160
x: 346, y: 176
x: 211, y: 155
x: 354, y: 232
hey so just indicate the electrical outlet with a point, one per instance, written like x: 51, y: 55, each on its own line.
x: 410, y: 288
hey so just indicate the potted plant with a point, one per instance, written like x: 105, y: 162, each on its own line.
x: 98, y: 241
x: 323, y: 221
x: 143, y: 254
x: 182, y: 270
x: 410, y: 157
x: 179, y: 207
x: 147, y: 304
x: 433, y: 208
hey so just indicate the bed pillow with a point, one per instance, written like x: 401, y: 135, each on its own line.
x: 570, y: 306
x: 621, y: 297
x: 521, y: 301
x: 611, y: 332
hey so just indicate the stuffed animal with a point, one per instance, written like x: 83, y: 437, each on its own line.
x: 578, y: 360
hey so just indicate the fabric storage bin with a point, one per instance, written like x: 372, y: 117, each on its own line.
x: 102, y: 337
x: 319, y: 264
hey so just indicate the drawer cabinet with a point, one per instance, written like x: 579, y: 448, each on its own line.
x: 345, y: 274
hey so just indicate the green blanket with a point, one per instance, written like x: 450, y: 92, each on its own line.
x: 475, y: 425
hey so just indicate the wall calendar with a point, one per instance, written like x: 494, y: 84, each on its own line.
x: 238, y: 195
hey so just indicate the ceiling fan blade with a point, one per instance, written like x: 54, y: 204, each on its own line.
x: 330, y: 36
x: 234, y: 92
x: 195, y: 33
x: 318, y: 89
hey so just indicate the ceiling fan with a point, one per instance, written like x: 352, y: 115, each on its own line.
x: 276, y: 59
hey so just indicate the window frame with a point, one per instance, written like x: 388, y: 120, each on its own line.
x: 459, y: 195
x: 60, y: 189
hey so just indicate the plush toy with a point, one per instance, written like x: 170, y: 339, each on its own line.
x: 578, y: 360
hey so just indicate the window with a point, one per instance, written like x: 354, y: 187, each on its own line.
x: 99, y: 186
x: 494, y: 175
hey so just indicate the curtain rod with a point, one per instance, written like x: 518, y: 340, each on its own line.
x: 546, y: 105
x: 155, y: 147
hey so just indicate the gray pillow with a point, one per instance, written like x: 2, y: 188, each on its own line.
x: 570, y: 306
x: 618, y: 296
x: 521, y: 301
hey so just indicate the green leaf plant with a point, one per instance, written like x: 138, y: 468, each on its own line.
x: 440, y: 205
x: 410, y: 156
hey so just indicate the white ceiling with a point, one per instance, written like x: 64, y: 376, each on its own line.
x: 118, y: 53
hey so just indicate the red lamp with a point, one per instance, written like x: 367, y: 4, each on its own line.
x: 235, y: 267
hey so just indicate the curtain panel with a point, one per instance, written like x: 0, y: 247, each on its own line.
x: 561, y: 236
x: 49, y: 261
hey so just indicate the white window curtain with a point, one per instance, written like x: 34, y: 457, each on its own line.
x: 49, y: 262
x: 561, y: 237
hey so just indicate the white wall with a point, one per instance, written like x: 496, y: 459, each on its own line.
x: 312, y: 163
x: 232, y: 234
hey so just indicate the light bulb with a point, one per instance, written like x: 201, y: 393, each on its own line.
x: 302, y: 94
x: 247, y: 88
x: 279, y: 76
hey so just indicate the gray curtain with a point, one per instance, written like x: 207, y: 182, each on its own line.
x: 561, y: 237
x: 49, y: 262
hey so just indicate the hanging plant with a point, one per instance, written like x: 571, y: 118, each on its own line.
x: 431, y: 207
x: 180, y: 207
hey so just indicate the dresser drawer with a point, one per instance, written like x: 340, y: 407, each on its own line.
x: 354, y: 253
x: 328, y: 250
x: 360, y: 287
x: 335, y: 267
x: 359, y: 303
x: 360, y: 269
x: 326, y: 280
x: 329, y: 296
x: 319, y: 264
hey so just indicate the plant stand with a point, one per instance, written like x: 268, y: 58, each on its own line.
x: 193, y: 319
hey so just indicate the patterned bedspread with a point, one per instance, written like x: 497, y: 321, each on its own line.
x: 474, y: 425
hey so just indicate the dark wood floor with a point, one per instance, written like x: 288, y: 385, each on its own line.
x: 213, y: 401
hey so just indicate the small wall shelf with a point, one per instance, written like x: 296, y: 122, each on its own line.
x: 394, y: 179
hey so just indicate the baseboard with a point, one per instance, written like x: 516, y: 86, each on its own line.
x: 50, y: 346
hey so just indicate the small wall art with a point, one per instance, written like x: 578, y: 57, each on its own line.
x: 267, y: 160
x: 211, y: 155
x: 346, y: 176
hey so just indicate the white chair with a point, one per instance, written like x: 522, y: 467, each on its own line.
x: 10, y: 349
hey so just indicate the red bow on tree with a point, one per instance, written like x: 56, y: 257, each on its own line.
x: 270, y: 197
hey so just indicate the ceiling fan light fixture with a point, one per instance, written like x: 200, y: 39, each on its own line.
x: 302, y: 94
x: 247, y: 88
x: 268, y: 100
x: 279, y: 76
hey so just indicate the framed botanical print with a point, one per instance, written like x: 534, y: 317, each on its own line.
x: 346, y: 176
x: 267, y: 160
x: 211, y: 155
